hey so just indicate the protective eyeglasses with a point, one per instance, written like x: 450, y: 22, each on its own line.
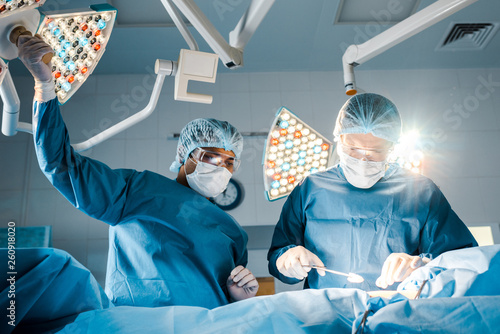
x: 216, y: 158
x: 364, y: 153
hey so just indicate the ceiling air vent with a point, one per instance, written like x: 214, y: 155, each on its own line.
x: 468, y: 36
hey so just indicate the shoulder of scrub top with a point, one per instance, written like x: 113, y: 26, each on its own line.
x: 152, y: 182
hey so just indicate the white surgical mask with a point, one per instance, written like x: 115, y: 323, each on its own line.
x: 360, y: 173
x: 208, y: 180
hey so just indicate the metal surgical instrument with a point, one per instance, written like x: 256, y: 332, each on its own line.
x: 351, y: 277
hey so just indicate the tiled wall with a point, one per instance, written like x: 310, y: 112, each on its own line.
x: 457, y: 111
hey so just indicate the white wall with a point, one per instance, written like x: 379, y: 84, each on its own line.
x: 462, y: 154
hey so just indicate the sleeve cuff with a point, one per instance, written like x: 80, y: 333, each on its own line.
x: 44, y: 91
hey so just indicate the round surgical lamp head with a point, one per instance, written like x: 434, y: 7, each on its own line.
x: 78, y: 40
x: 9, y: 7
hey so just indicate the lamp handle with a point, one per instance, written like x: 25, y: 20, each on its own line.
x: 19, y: 31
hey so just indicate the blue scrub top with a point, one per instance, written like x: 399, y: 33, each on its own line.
x: 355, y: 230
x: 168, y: 244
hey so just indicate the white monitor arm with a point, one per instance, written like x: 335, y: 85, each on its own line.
x: 359, y: 54
x: 11, y: 105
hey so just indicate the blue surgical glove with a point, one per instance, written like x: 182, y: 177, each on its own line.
x: 242, y: 284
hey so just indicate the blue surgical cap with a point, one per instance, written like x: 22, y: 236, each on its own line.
x: 369, y: 113
x: 206, y: 132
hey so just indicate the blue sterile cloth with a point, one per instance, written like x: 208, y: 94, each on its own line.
x: 307, y: 311
x: 332, y: 310
x: 476, y: 314
x: 355, y: 230
x: 168, y: 244
x: 461, y: 294
x: 50, y: 288
x: 465, y: 272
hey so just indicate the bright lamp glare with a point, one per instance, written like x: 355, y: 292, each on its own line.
x: 410, y: 139
x: 293, y: 151
x: 407, y: 154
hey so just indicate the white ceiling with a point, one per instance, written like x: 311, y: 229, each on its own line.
x: 296, y: 35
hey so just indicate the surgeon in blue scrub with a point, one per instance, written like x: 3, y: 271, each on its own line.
x: 169, y: 244
x: 364, y: 215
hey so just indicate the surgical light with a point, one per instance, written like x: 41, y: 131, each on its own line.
x: 79, y: 41
x: 8, y: 7
x: 407, y: 153
x: 311, y: 154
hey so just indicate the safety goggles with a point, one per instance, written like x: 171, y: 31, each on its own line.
x: 216, y: 158
x: 365, y: 153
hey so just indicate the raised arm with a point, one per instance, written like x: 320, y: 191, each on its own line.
x: 89, y: 185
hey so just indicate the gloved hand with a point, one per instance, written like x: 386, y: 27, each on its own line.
x: 31, y: 51
x: 397, y: 267
x: 292, y: 261
x: 242, y: 284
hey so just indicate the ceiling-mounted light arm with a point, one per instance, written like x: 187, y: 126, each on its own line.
x: 28, y: 17
x: 348, y: 66
x: 359, y: 54
x: 179, y: 23
x: 8, y: 7
x: 162, y: 68
x: 11, y: 105
x: 231, y: 54
x: 249, y: 22
x: 231, y: 57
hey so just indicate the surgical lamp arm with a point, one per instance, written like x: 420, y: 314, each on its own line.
x: 162, y: 68
x: 11, y: 106
x: 249, y: 23
x: 231, y: 57
x: 359, y: 54
x: 231, y: 54
x: 179, y: 23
